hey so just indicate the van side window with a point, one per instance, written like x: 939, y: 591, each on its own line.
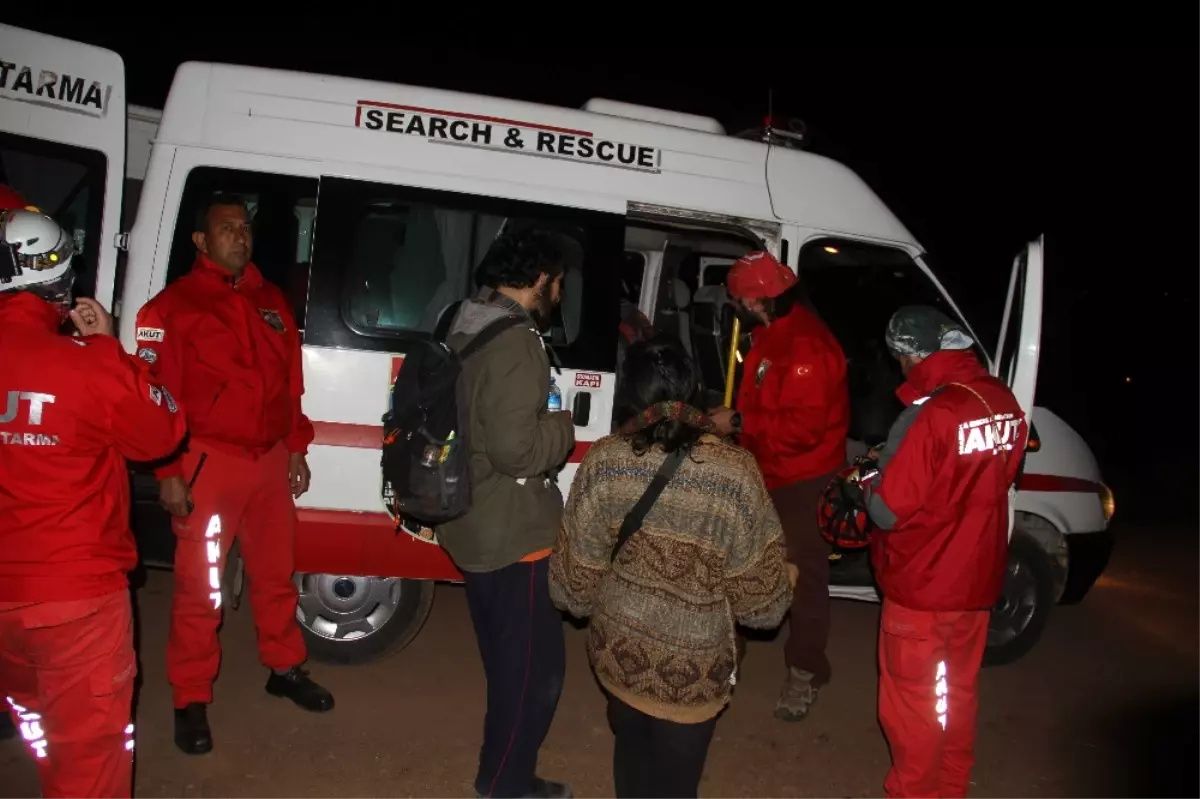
x: 855, y: 287
x: 283, y: 210
x: 66, y: 182
x: 389, y: 260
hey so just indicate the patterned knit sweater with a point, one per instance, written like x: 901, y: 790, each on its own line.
x: 710, y: 551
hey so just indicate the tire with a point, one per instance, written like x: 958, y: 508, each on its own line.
x: 1020, y: 616
x: 350, y: 620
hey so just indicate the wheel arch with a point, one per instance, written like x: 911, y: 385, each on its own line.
x: 1052, y: 540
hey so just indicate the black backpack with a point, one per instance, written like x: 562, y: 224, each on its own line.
x: 426, y: 448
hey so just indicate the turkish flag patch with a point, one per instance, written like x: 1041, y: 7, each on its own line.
x: 804, y: 370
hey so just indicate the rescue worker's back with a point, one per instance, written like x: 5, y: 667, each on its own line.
x: 939, y: 557
x: 944, y: 496
x: 71, y: 410
x: 75, y: 409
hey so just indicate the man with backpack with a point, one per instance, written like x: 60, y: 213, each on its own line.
x: 502, y: 543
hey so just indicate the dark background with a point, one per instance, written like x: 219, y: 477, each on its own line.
x: 977, y: 151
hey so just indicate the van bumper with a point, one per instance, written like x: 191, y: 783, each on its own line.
x: 1087, y: 558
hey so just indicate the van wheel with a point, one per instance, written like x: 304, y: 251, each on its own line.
x: 1020, y: 616
x: 348, y: 619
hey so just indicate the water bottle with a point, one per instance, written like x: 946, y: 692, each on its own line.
x: 554, y: 401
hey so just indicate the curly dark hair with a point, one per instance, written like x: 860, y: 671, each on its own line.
x: 517, y: 259
x: 659, y: 370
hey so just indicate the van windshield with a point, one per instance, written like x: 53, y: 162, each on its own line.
x: 68, y: 184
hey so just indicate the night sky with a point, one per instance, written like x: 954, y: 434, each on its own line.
x: 976, y: 152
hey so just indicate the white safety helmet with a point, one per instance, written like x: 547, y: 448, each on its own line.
x: 35, y: 255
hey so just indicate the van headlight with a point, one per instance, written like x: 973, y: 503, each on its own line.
x: 1108, y: 503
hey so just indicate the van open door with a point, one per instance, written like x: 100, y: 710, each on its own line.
x: 1020, y: 343
x: 62, y: 143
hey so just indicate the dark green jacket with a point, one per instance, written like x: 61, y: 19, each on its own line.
x: 516, y: 507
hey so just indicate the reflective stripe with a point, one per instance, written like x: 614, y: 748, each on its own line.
x: 31, y: 729
x: 941, y: 690
x: 212, y: 550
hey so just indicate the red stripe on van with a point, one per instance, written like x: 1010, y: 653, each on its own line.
x: 366, y: 436
x: 358, y: 436
x: 1056, y: 483
x: 350, y: 542
x: 476, y: 117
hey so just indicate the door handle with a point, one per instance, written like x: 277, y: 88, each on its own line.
x: 581, y: 408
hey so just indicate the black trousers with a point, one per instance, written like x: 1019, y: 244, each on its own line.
x: 654, y: 757
x: 520, y: 638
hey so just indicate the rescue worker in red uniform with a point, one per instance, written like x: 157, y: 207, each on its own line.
x: 792, y: 413
x: 224, y: 341
x: 9, y: 200
x: 72, y: 409
x: 941, y: 506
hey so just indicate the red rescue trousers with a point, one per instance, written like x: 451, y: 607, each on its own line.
x: 928, y: 673
x: 249, y: 499
x: 67, y: 670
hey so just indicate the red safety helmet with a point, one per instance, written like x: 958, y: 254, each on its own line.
x: 10, y: 199
x: 842, y: 520
x: 759, y: 275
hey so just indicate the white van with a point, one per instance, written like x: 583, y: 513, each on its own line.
x: 372, y: 204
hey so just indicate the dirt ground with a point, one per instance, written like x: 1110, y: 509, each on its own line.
x: 1106, y: 705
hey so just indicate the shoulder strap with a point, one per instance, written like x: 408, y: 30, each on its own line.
x: 485, y: 336
x: 442, y: 330
x: 991, y: 415
x: 978, y: 396
x: 635, y: 517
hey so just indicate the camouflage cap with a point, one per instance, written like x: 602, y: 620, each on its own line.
x: 923, y: 330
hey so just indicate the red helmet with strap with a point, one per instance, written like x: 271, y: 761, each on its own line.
x: 841, y: 518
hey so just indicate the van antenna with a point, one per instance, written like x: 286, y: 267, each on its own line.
x: 767, y: 137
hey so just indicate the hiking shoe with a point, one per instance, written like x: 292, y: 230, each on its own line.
x: 544, y: 789
x: 797, y: 697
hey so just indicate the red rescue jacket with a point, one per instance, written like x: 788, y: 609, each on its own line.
x: 71, y: 410
x: 230, y: 352
x: 943, y: 498
x: 794, y: 401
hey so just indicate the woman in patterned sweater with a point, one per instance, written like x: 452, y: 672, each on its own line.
x: 709, y: 553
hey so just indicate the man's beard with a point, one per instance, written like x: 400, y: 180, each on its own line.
x: 750, y: 319
x: 542, y: 311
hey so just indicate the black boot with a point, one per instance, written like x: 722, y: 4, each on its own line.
x: 192, y: 735
x: 296, y: 685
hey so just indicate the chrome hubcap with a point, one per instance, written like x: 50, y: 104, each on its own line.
x: 345, y: 608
